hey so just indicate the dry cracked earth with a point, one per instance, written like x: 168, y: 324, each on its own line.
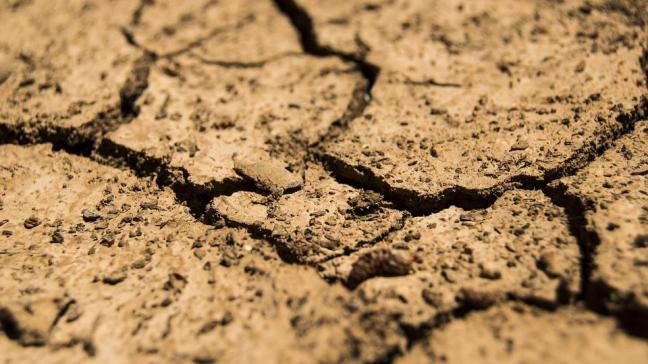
x: 294, y: 181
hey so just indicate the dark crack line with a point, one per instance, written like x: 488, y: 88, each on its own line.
x: 432, y: 82
x: 409, y: 200
x: 62, y: 311
x: 577, y: 223
x: 84, y: 139
x: 280, y: 243
x: 129, y: 36
x: 139, y: 11
x: 348, y: 251
x: 303, y: 24
x: 244, y: 65
x: 632, y: 318
x: 417, y: 204
x: 468, y: 199
x: 89, y: 140
x: 213, y: 33
x: 195, y: 196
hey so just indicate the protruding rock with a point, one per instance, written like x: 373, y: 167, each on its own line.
x: 376, y: 263
x: 268, y: 175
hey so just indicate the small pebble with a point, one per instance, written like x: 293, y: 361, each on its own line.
x: 490, y: 271
x: 57, y: 238
x: 89, y: 216
x: 520, y: 145
x: 476, y: 298
x: 115, y: 277
x: 31, y: 222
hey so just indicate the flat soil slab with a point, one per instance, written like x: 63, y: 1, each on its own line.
x: 96, y: 263
x: 322, y: 220
x: 339, y: 181
x: 515, y: 333
x: 201, y: 117
x: 242, y: 31
x: 62, y: 72
x: 519, y: 247
x: 469, y: 101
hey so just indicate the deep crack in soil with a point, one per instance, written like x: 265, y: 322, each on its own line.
x: 372, y: 319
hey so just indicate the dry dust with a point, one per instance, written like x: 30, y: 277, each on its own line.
x: 292, y: 181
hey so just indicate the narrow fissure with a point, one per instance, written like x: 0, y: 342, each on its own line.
x: 303, y: 25
x: 88, y: 142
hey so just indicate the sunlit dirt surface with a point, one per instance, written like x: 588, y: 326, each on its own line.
x: 323, y: 181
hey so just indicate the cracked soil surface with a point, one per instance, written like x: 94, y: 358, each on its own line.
x: 325, y: 181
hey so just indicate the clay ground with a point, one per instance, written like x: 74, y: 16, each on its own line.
x: 326, y: 181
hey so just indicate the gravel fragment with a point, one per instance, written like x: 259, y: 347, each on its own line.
x: 31, y: 222
x: 57, y: 237
x: 89, y: 216
x: 268, y: 175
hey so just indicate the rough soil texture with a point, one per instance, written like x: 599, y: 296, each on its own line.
x: 291, y: 181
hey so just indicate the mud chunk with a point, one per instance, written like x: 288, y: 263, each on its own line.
x: 519, y: 145
x: 380, y: 262
x: 226, y: 318
x: 89, y: 216
x: 199, y: 253
x: 476, y: 298
x: 139, y: 264
x: 432, y: 298
x: 108, y: 240
x: 490, y: 271
x: 175, y: 283
x: 641, y: 241
x: 57, y: 237
x: 365, y: 203
x: 115, y: 277
x: 31, y: 222
x: 55, y: 84
x: 270, y: 176
x: 313, y: 220
x: 149, y: 205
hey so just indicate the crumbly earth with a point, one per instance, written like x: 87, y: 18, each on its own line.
x: 295, y: 181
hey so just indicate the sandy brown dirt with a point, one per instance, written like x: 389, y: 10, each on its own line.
x: 295, y: 181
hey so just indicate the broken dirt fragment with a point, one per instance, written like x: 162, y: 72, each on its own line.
x: 380, y: 262
x: 268, y: 175
x: 515, y: 333
x: 172, y: 304
x: 314, y: 223
x: 230, y: 31
x: 434, y: 235
x: 539, y: 122
x: 198, y: 120
x: 473, y: 259
x: 66, y: 70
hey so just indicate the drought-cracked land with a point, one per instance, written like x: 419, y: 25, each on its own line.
x: 324, y: 181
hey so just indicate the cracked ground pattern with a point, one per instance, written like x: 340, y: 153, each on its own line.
x: 325, y: 181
